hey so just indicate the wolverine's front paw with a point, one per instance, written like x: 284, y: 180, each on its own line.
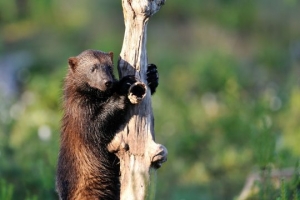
x: 126, y: 82
x: 152, y: 77
x: 134, y: 89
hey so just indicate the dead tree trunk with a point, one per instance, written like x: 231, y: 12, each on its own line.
x: 139, y: 155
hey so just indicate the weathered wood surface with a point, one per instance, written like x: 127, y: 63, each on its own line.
x: 139, y: 155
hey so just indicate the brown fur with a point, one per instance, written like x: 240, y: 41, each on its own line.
x: 92, y: 114
x: 95, y: 107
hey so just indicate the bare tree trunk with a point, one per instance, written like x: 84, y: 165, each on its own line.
x: 139, y: 155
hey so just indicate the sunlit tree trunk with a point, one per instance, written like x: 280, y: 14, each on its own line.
x: 139, y: 155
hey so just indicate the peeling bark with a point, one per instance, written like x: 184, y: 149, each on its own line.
x: 139, y: 155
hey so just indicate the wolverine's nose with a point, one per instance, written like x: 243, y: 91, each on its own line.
x: 108, y: 84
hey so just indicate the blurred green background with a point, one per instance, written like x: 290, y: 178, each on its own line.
x: 228, y: 103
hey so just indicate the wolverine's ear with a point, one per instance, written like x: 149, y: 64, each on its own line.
x: 111, y: 54
x: 73, y: 63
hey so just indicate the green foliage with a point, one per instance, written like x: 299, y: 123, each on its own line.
x: 227, y: 103
x: 6, y: 190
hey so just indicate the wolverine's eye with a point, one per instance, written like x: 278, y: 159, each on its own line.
x: 110, y: 68
x: 93, y: 68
